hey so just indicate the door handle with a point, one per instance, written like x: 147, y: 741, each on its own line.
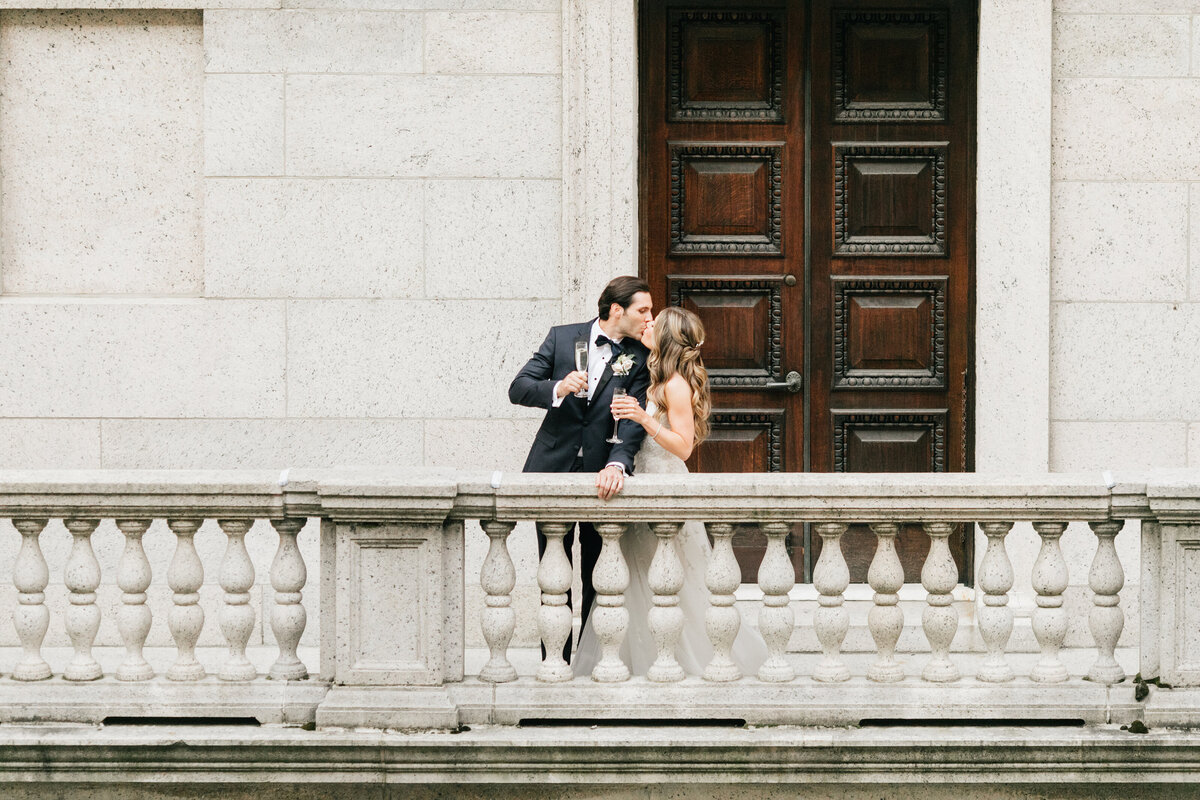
x: 793, y: 383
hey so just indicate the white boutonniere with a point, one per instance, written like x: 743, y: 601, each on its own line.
x: 622, y: 364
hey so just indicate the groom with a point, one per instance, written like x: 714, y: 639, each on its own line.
x: 573, y: 433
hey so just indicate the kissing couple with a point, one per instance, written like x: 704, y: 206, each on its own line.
x: 645, y: 373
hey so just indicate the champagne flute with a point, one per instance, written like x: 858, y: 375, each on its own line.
x: 581, y: 364
x: 619, y: 391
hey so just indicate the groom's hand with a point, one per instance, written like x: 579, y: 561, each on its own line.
x: 574, y: 382
x: 608, y: 482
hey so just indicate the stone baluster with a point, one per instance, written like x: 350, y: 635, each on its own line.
x: 1050, y: 578
x: 1106, y: 618
x: 831, y: 576
x: 237, y: 615
x: 666, y: 617
x: 939, y: 576
x: 610, y: 617
x: 288, y: 617
x: 886, y: 620
x: 31, y: 617
x: 776, y: 577
x: 133, y: 617
x: 554, y: 615
x: 722, y: 619
x: 82, y: 577
x: 185, y: 575
x: 995, y: 617
x: 498, y: 577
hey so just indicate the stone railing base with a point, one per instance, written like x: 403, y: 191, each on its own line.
x: 597, y: 762
x: 58, y: 700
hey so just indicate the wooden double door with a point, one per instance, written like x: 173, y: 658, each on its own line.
x: 807, y: 187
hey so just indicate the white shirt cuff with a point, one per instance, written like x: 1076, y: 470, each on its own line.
x: 557, y: 400
x: 616, y: 464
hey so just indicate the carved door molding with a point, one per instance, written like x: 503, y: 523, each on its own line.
x: 806, y: 185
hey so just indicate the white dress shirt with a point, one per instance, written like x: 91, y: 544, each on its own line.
x: 598, y: 358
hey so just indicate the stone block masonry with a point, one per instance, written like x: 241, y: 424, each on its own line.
x: 258, y: 236
x: 1124, y: 255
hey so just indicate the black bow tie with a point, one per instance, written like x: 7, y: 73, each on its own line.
x: 602, y: 340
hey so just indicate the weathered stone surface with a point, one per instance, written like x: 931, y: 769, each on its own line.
x: 430, y: 5
x: 101, y: 203
x: 160, y: 546
x: 243, y: 126
x: 50, y: 443
x: 1129, y: 362
x: 493, y: 239
x: 1116, y: 45
x: 600, y: 162
x: 189, y: 5
x: 362, y: 358
x: 1125, y: 129
x: 310, y: 238
x: 526, y: 597
x: 1013, y: 237
x: 260, y: 444
x: 609, y: 762
x: 807, y: 496
x: 67, y: 358
x: 485, y: 444
x: 1120, y: 241
x: 447, y: 126
x: 1127, y: 6
x: 312, y: 41
x: 1077, y: 445
x: 1194, y: 244
x: 494, y: 41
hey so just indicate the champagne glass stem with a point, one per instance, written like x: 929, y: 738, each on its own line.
x: 614, y: 439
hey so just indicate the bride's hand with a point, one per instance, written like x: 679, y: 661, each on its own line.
x: 627, y: 408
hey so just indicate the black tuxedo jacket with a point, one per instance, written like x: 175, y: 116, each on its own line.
x: 578, y: 423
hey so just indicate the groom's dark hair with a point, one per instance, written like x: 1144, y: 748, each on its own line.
x: 620, y: 291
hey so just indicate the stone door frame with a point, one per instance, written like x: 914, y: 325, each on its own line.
x: 1012, y: 259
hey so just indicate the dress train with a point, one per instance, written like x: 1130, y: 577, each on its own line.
x: 694, y: 650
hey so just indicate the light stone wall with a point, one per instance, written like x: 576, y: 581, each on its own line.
x: 1125, y: 251
x: 321, y: 234
x: 1124, y: 300
x: 327, y: 232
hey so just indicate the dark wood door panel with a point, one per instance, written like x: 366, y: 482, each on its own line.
x: 892, y: 209
x: 889, y: 199
x: 889, y: 440
x: 889, y: 65
x: 744, y: 440
x: 748, y: 314
x: 889, y: 332
x: 726, y: 64
x: 721, y: 168
x: 726, y: 198
x: 806, y: 180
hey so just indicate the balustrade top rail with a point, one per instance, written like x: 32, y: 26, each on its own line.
x: 393, y: 597
x: 431, y: 494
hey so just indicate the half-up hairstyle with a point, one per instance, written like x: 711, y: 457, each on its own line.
x: 678, y: 334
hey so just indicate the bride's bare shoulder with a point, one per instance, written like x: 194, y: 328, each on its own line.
x: 678, y: 390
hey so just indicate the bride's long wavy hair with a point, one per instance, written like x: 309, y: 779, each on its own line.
x: 678, y: 334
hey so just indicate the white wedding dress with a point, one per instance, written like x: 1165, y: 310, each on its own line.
x: 694, y: 649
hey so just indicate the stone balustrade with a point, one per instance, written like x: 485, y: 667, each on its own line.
x: 393, y: 599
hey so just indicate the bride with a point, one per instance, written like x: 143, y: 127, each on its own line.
x: 676, y: 420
